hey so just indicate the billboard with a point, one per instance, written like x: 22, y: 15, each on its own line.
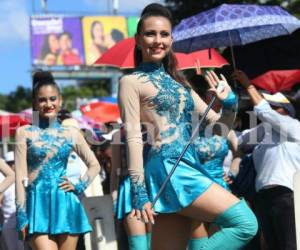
x: 56, y: 41
x: 132, y: 25
x: 101, y: 33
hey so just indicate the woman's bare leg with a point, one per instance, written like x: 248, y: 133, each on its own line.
x: 67, y: 241
x: 171, y: 231
x: 213, y: 203
x: 137, y: 232
x: 134, y: 226
x: 43, y: 242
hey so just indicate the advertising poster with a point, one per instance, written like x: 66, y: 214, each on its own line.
x: 56, y: 41
x: 131, y: 25
x: 101, y: 33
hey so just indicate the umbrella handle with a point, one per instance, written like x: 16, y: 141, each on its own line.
x: 194, y: 134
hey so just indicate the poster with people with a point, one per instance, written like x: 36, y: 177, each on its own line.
x: 101, y: 33
x: 56, y: 41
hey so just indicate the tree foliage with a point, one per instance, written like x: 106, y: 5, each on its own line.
x: 186, y: 8
x: 21, y: 98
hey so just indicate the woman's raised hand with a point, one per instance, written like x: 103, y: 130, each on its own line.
x: 219, y: 86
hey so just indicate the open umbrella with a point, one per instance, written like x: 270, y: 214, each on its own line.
x: 9, y: 124
x: 232, y: 24
x: 101, y: 112
x: 271, y: 64
x: 122, y: 56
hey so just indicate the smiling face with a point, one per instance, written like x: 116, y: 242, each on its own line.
x: 155, y: 39
x: 48, y: 101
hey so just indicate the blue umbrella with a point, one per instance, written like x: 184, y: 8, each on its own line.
x: 232, y: 24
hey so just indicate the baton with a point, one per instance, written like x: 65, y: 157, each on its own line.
x: 194, y: 134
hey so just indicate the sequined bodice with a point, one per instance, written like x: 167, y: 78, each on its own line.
x: 172, y: 104
x: 212, y: 152
x: 47, y: 155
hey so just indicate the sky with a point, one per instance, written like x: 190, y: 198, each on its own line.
x: 15, y: 58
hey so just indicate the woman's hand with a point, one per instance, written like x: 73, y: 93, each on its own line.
x: 66, y: 185
x: 218, y: 86
x: 23, y: 233
x: 146, y: 215
x: 227, y: 179
x: 241, y: 77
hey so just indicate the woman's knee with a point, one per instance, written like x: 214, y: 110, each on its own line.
x: 241, y: 219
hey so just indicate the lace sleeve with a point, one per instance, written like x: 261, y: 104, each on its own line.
x: 86, y: 154
x: 129, y: 102
x: 227, y: 116
x: 21, y: 177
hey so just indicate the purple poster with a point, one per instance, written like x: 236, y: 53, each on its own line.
x: 56, y: 41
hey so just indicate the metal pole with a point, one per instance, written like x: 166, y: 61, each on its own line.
x: 194, y: 135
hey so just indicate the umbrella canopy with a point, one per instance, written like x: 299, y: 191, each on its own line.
x: 232, y: 24
x: 101, y: 112
x: 9, y: 124
x: 271, y: 64
x: 122, y: 56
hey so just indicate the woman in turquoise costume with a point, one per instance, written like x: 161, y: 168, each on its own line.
x: 212, y: 150
x: 158, y: 97
x: 49, y: 212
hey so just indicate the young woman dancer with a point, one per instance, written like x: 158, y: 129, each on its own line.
x: 212, y: 150
x: 157, y: 96
x: 49, y: 212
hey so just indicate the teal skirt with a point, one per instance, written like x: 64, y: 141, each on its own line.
x: 188, y: 182
x: 51, y: 210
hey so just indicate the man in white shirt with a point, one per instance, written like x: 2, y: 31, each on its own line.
x: 276, y: 156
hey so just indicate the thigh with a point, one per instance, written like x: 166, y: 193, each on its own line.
x: 171, y: 231
x: 67, y: 241
x: 213, y: 202
x: 43, y: 242
x: 133, y: 226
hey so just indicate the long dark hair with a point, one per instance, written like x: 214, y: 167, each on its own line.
x: 170, y: 61
x: 39, y: 79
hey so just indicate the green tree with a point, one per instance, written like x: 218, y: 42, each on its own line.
x: 18, y: 100
x: 91, y: 89
x: 3, y: 101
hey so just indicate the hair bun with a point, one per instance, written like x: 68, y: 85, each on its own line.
x: 42, y: 77
x: 156, y: 9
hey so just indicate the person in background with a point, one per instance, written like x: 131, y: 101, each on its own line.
x: 276, y: 147
x: 97, y: 47
x: 67, y: 54
x: 113, y: 37
x: 9, y: 236
x: 50, y: 50
x: 8, y: 174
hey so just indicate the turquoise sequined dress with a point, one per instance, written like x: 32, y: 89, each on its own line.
x: 44, y: 207
x: 212, y: 152
x: 167, y: 108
